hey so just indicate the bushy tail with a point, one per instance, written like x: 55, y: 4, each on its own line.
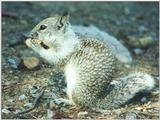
x: 126, y: 89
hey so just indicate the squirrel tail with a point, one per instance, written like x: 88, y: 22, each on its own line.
x: 126, y: 89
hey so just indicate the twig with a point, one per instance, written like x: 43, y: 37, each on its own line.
x: 34, y: 103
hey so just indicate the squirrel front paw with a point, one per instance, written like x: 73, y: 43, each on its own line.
x: 35, y: 44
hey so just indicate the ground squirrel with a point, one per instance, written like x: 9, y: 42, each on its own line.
x: 89, y: 65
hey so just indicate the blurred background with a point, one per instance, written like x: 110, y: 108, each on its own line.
x: 118, y: 18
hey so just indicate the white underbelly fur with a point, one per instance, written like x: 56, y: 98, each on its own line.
x: 71, y: 77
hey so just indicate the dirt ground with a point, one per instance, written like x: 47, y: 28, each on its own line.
x: 122, y: 20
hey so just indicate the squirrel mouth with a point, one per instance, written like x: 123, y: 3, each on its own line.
x: 44, y: 45
x: 30, y: 42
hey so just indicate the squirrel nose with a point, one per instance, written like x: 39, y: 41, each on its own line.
x: 31, y: 34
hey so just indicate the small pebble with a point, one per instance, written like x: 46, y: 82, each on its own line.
x: 50, y: 114
x: 138, y: 51
x: 82, y: 114
x: 14, y: 62
x: 5, y: 111
x: 31, y: 62
x: 141, y: 42
x: 22, y: 97
x: 127, y: 65
x: 146, y: 41
x: 10, y: 71
x: 131, y: 116
x: 17, y: 111
x: 10, y: 100
x: 139, y: 108
x: 126, y: 10
x: 144, y: 99
x: 142, y: 29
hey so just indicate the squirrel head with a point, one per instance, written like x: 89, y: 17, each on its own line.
x: 53, y: 32
x: 51, y: 28
x: 54, y: 35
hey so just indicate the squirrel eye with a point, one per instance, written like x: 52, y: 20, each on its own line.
x: 43, y: 27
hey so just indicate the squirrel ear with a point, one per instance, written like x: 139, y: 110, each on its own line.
x: 63, y: 20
